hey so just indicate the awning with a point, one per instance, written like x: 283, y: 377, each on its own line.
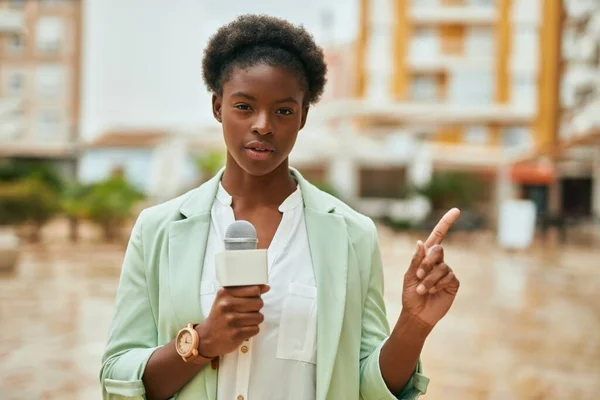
x: 533, y: 173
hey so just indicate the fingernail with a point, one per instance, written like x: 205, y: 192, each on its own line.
x: 421, y: 289
x: 420, y: 273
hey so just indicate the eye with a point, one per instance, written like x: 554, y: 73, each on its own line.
x: 285, y: 111
x: 243, y: 107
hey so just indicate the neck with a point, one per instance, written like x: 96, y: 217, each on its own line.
x: 270, y: 189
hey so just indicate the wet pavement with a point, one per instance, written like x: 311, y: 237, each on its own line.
x: 524, y: 326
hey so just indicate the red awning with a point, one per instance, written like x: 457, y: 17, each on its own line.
x: 533, y: 173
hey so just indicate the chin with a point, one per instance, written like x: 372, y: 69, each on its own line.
x: 259, y: 168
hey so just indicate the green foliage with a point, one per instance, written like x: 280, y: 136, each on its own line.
x: 210, y: 163
x: 451, y: 189
x: 29, y: 195
x: 73, y: 200
x: 33, y: 193
x: 108, y: 203
x: 29, y: 200
x: 16, y: 171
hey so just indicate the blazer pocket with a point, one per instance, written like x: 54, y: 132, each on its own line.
x: 298, y: 325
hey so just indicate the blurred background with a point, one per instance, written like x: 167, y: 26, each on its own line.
x: 489, y: 105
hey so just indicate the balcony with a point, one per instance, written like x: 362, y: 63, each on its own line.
x: 36, y: 149
x: 453, y: 15
x: 422, y: 115
x: 11, y: 21
x: 443, y: 63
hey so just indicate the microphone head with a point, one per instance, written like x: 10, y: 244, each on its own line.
x: 241, y: 235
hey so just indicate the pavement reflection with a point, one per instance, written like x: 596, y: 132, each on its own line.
x: 524, y: 326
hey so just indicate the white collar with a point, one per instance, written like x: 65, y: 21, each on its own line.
x: 292, y: 201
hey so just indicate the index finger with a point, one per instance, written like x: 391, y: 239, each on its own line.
x: 247, y: 291
x: 442, y: 227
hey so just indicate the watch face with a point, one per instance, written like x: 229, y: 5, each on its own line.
x: 184, y: 342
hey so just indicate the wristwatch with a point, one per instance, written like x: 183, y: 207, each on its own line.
x: 187, y: 345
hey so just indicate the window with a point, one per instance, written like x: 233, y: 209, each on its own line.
x: 50, y: 80
x: 517, y: 137
x: 48, y: 125
x: 424, y: 88
x: 381, y: 11
x: 524, y: 91
x: 481, y: 3
x: 426, y: 3
x: 527, y: 11
x: 479, y: 42
x: 16, y: 44
x: 50, y: 34
x: 476, y: 134
x: 387, y: 183
x: 16, y: 83
x: 526, y: 45
x: 471, y: 86
x: 425, y: 45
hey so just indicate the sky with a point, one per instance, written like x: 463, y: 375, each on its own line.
x: 142, y: 58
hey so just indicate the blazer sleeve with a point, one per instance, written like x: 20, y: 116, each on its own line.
x: 133, y: 334
x: 375, y: 331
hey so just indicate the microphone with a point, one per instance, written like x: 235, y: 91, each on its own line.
x: 241, y: 264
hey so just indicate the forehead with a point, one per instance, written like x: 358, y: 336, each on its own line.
x: 264, y: 82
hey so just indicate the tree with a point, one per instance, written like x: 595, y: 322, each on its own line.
x: 110, y: 204
x: 210, y: 163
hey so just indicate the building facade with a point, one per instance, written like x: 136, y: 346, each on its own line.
x: 39, y: 76
x: 478, y: 78
x: 577, y: 152
x: 496, y: 60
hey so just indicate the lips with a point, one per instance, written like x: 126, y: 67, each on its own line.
x: 261, y: 147
x: 259, y: 151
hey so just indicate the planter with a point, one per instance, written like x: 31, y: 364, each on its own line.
x: 9, y: 250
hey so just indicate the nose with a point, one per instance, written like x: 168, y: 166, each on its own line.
x: 262, y: 124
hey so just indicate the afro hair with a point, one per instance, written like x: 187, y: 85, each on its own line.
x: 259, y: 39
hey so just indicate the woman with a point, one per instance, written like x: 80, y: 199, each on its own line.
x: 319, y: 330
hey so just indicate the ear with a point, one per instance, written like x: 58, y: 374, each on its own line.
x: 304, y: 116
x: 217, y: 103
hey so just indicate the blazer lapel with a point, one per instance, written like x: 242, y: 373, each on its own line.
x: 187, y: 246
x: 328, y: 241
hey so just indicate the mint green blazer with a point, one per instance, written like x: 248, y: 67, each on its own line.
x: 159, y: 288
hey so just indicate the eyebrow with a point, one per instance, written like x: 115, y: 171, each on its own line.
x: 287, y: 100
x: 249, y: 97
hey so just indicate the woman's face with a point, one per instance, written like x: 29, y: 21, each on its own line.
x: 261, y: 112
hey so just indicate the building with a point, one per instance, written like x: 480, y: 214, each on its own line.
x: 578, y: 142
x: 11, y: 24
x: 575, y: 195
x: 39, y: 77
x: 496, y: 60
x: 478, y: 78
